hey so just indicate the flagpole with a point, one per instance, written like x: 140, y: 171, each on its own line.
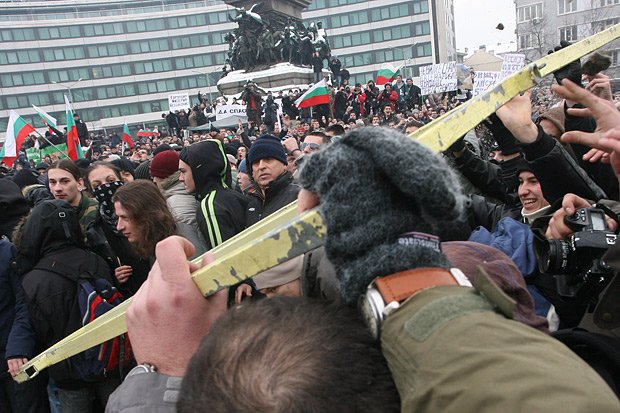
x: 48, y: 141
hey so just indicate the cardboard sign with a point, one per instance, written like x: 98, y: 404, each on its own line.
x: 438, y: 78
x: 225, y: 111
x: 484, y: 80
x: 179, y: 101
x: 512, y: 63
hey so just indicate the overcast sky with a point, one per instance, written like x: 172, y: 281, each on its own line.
x: 476, y: 20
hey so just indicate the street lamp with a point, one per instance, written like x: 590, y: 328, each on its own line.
x: 68, y: 87
x: 206, y: 75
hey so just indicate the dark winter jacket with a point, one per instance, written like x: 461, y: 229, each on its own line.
x: 52, y: 256
x: 114, y: 248
x: 281, y: 192
x: 13, y: 206
x: 221, y: 210
x: 16, y: 335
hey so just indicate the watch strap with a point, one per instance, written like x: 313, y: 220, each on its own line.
x: 400, y: 286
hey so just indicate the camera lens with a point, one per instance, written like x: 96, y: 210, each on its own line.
x: 554, y: 257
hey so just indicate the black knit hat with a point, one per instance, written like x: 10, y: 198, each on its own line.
x: 375, y: 184
x: 267, y: 146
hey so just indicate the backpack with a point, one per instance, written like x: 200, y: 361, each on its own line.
x: 94, y: 297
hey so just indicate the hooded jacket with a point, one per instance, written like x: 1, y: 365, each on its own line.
x: 13, y: 206
x: 221, y: 213
x: 51, y: 257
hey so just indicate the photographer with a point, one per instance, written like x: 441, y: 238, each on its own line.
x: 595, y: 290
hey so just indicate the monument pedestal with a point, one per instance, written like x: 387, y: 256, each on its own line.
x: 281, y: 76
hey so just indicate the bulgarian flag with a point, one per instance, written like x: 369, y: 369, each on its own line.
x: 316, y: 95
x: 47, y: 118
x: 17, y: 131
x: 73, y: 141
x: 387, y: 73
x: 127, y: 137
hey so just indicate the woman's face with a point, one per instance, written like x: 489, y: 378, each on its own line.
x: 125, y: 224
x: 100, y: 176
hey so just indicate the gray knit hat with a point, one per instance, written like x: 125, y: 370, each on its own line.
x: 375, y: 184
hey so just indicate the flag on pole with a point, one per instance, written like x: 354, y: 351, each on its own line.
x: 387, y: 73
x: 47, y: 118
x: 73, y: 141
x: 126, y: 136
x: 17, y: 131
x: 316, y: 95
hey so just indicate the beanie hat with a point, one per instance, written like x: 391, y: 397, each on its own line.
x: 161, y: 148
x: 26, y: 177
x: 243, y: 166
x: 376, y: 185
x: 267, y: 146
x: 555, y: 116
x: 124, y: 165
x: 165, y: 164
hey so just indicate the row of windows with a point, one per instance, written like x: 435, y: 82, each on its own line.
x: 323, y: 4
x: 98, y: 113
x: 109, y: 29
x: 377, y: 14
x: 107, y: 92
x: 114, y: 70
x: 380, y: 35
x: 387, y: 55
x: 537, y: 40
x: 110, y: 49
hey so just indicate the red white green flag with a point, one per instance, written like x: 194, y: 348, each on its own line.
x: 127, y: 137
x: 17, y: 131
x: 47, y: 118
x: 73, y: 141
x: 316, y: 95
x: 387, y: 73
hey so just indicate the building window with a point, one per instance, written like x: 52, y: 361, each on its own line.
x: 526, y: 41
x: 568, y: 33
x: 420, y: 6
x: 422, y: 28
x: 609, y: 2
x: 567, y: 6
x: 527, y: 13
x: 391, y: 12
x: 423, y: 49
x: 615, y: 57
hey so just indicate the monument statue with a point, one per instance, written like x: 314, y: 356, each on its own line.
x: 259, y: 41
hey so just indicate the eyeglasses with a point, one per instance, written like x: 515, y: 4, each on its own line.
x: 312, y: 146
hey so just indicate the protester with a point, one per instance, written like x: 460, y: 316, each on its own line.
x: 205, y: 172
x: 143, y: 218
x: 103, y: 236
x: 165, y: 172
x: 52, y: 257
x: 66, y: 183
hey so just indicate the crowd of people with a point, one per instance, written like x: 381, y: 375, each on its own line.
x: 466, y: 265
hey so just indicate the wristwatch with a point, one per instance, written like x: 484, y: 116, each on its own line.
x: 142, y: 368
x: 385, y: 294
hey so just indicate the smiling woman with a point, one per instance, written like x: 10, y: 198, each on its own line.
x: 143, y: 216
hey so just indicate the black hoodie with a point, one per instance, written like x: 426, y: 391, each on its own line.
x: 13, y: 206
x: 221, y: 213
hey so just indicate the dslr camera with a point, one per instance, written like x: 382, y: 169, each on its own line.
x: 577, y: 263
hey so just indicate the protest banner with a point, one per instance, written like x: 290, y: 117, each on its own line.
x: 484, y: 80
x: 178, y: 101
x: 55, y: 152
x: 513, y: 62
x: 438, y: 78
x: 225, y: 111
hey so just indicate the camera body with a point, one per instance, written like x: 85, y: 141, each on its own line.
x: 576, y: 263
